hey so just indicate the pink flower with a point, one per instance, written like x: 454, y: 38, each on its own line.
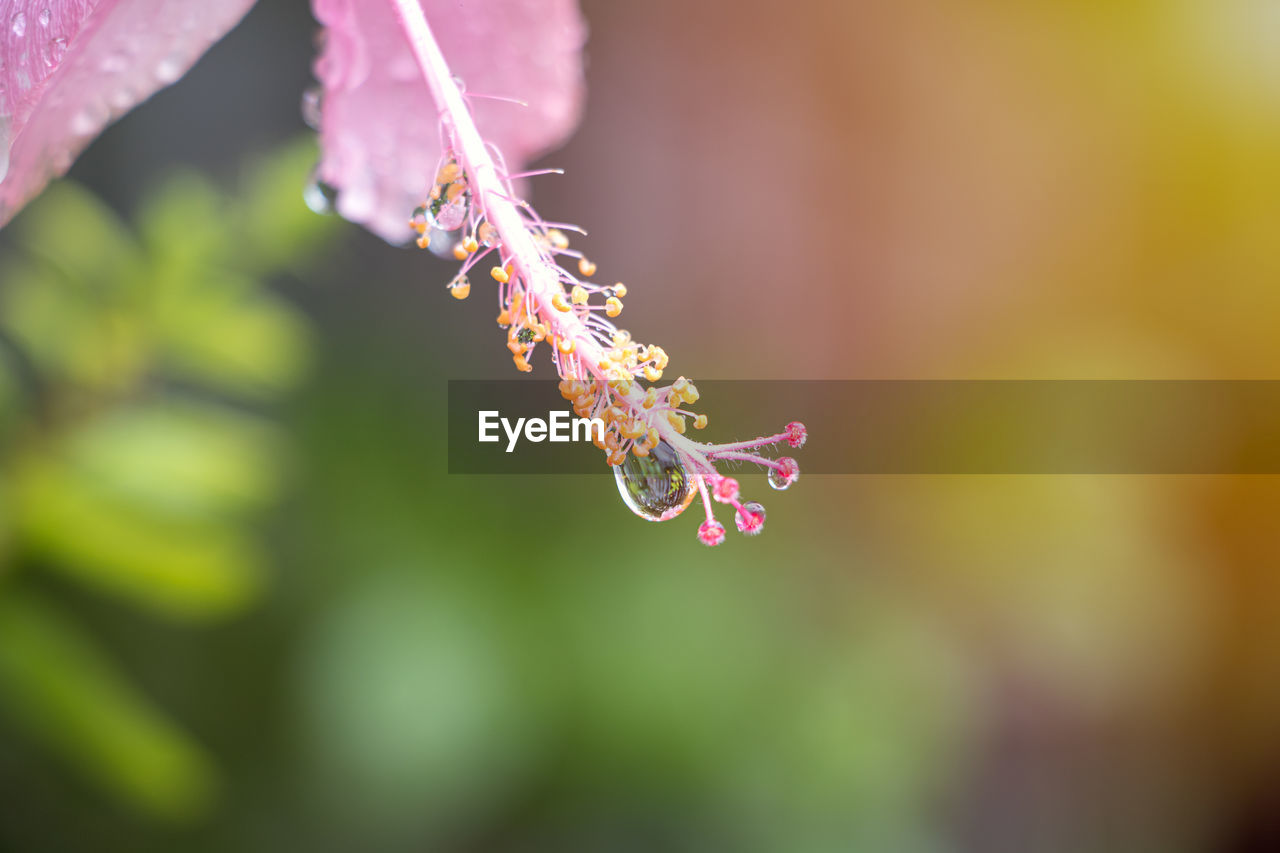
x: 397, y: 129
x: 379, y: 127
x: 68, y: 68
x: 658, y: 469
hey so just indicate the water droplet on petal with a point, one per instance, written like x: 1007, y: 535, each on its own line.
x: 318, y: 195
x: 169, y: 70
x: 57, y: 50
x: 655, y: 487
x: 83, y: 122
x: 45, y: 16
x: 4, y: 147
x: 312, y: 99
x: 18, y: 23
x: 750, y: 519
x: 115, y: 62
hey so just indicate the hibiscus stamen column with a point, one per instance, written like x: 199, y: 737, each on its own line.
x: 659, y: 469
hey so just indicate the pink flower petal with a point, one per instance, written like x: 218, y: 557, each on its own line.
x: 68, y: 68
x: 379, y: 129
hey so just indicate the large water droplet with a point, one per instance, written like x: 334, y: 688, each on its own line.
x: 318, y: 195
x: 655, y: 487
x: 750, y: 519
x: 312, y: 99
x: 18, y: 23
x: 45, y: 16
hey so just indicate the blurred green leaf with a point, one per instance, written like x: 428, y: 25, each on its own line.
x: 230, y: 337
x: 279, y: 231
x: 81, y: 237
x: 189, y: 568
x: 74, y: 331
x: 60, y: 688
x: 178, y: 458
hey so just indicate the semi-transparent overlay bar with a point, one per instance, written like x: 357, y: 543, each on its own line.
x: 915, y: 426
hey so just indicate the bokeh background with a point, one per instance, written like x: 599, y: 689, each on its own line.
x: 243, y: 607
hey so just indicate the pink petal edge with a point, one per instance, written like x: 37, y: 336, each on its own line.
x: 379, y: 128
x: 68, y: 68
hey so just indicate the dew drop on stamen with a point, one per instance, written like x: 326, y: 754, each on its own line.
x: 778, y: 480
x: 312, y: 100
x: 755, y: 523
x: 655, y: 487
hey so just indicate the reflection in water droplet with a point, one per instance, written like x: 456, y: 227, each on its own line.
x: 45, y: 15
x: 312, y: 100
x: 318, y: 195
x: 750, y: 519
x: 655, y: 487
x: 18, y: 23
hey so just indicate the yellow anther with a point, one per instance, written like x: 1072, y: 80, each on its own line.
x: 448, y: 173
x: 677, y: 421
x: 500, y: 275
x: 579, y: 295
x: 566, y: 345
x: 424, y: 241
x: 540, y: 331
x: 620, y: 290
x: 679, y: 385
x: 654, y: 438
x: 455, y: 190
x: 459, y: 252
x: 621, y: 338
x: 617, y: 457
x: 461, y: 290
x: 690, y: 393
x: 613, y: 306
x: 470, y: 245
x: 586, y: 267
x: 504, y: 318
x: 488, y: 233
x: 522, y: 364
x: 556, y: 237
x: 641, y: 450
x: 516, y: 347
x: 700, y: 422
x: 650, y: 398
x: 611, y: 440
x: 659, y: 357
x: 559, y: 302
x: 652, y: 373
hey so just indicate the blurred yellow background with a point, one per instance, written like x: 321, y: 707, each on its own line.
x: 396, y: 659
